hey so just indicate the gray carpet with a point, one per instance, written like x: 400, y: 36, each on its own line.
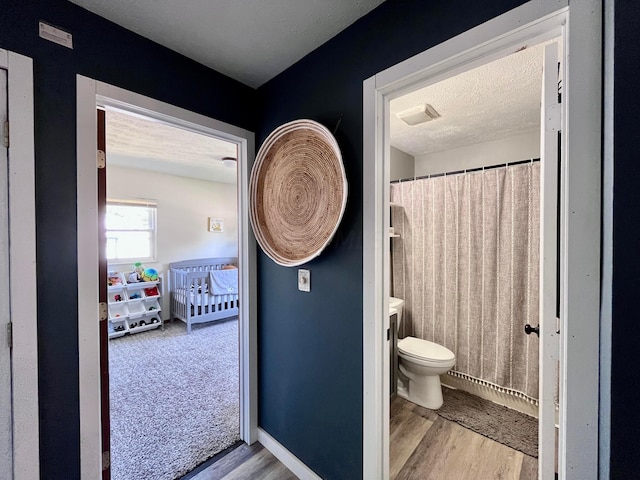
x: 174, y: 399
x: 506, y: 426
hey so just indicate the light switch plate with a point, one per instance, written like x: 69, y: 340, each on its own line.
x: 304, y: 280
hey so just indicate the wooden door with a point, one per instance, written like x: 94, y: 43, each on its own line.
x: 102, y: 297
x: 549, y: 335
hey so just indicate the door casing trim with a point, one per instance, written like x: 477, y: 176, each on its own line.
x: 22, y: 265
x: 90, y: 94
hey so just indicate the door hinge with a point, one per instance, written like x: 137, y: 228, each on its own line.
x: 553, y: 115
x: 106, y: 460
x: 5, y: 133
x: 557, y: 325
x: 10, y: 335
x: 101, y: 159
x: 102, y: 309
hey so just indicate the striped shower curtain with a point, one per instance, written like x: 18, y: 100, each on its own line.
x: 466, y: 264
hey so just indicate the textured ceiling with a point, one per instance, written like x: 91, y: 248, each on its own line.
x: 138, y: 142
x: 249, y: 40
x: 496, y: 100
x: 493, y: 101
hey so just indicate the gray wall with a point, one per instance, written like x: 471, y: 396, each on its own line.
x: 403, y: 165
x: 510, y: 149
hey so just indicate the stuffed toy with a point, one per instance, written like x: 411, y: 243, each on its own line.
x: 149, y: 275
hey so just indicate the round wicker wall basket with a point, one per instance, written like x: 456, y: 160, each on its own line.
x: 298, y: 192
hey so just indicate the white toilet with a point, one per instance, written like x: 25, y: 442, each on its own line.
x: 421, y: 362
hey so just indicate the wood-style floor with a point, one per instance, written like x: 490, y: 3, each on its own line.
x: 422, y: 446
x: 246, y: 462
x: 425, y: 446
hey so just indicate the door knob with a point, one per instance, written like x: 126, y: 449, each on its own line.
x: 528, y: 329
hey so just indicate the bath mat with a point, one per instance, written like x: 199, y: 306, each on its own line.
x: 506, y: 426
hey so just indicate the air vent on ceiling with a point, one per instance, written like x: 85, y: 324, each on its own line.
x: 418, y: 114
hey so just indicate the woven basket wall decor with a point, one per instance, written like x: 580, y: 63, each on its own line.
x: 298, y: 192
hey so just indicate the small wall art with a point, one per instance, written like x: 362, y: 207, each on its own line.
x: 216, y: 225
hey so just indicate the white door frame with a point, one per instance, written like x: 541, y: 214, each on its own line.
x: 91, y: 93
x: 579, y: 358
x: 22, y: 266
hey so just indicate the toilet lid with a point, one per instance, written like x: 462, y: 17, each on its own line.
x: 419, y: 348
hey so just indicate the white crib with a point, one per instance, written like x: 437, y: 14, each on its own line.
x: 191, y: 297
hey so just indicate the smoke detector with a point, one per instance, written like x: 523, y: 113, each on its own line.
x: 418, y: 114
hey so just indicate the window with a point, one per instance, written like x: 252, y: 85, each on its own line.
x: 131, y: 230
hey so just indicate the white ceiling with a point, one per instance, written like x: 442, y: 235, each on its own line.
x: 494, y: 101
x: 249, y: 40
x: 139, y: 142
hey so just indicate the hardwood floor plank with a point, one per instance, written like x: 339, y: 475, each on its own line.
x: 449, y: 451
x: 229, y: 462
x: 279, y: 472
x: 261, y: 465
x: 406, y: 430
x: 497, y: 461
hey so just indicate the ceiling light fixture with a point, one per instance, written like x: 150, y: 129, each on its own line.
x: 418, y: 114
x: 229, y: 161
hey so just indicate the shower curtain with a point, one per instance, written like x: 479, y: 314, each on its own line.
x: 466, y: 265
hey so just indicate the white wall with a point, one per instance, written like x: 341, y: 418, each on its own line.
x: 510, y: 149
x: 184, y: 206
x: 402, y: 165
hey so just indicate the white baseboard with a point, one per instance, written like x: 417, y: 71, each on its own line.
x: 289, y: 460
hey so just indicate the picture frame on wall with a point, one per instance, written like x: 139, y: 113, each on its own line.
x: 216, y: 225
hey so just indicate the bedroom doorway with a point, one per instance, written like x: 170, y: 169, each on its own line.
x: 172, y: 348
x: 95, y: 454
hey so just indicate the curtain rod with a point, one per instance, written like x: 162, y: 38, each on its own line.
x: 467, y: 170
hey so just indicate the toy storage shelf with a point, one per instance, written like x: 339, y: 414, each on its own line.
x: 133, y: 307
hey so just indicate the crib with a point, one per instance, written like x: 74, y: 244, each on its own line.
x: 192, y: 296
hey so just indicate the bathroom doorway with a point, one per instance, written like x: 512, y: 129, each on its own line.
x: 580, y: 240
x: 465, y: 204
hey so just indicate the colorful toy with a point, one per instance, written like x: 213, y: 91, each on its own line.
x: 138, y: 268
x: 133, y: 296
x: 149, y: 275
x: 151, y: 292
x: 117, y: 298
x: 113, y: 278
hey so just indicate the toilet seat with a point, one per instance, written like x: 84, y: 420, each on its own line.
x: 420, y: 349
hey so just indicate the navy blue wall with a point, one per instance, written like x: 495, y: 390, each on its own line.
x: 625, y: 381
x: 310, y: 355
x: 310, y: 343
x: 108, y: 53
